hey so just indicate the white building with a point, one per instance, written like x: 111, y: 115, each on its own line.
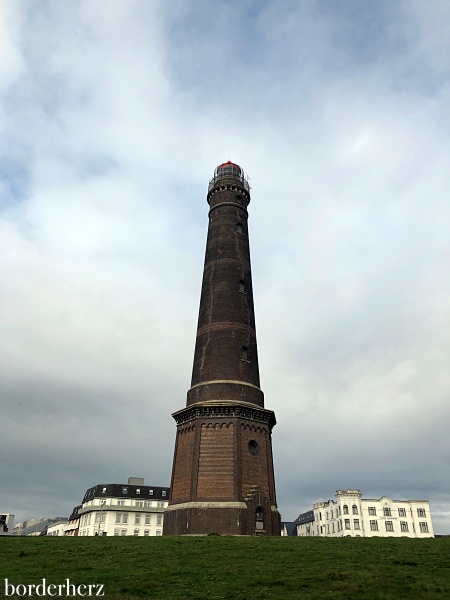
x: 351, y: 515
x: 56, y: 529
x: 6, y: 523
x: 123, y: 509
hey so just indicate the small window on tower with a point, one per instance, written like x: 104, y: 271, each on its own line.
x: 242, y: 286
x: 239, y: 228
x: 253, y: 447
x: 244, y: 353
x: 239, y: 197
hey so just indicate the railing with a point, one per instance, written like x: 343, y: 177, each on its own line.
x: 221, y: 176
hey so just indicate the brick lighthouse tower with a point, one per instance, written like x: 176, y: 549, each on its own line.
x: 222, y: 477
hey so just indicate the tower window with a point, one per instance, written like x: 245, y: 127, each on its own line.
x: 239, y: 197
x: 244, y: 353
x: 242, y: 286
x: 259, y: 514
x: 239, y: 228
x: 253, y: 447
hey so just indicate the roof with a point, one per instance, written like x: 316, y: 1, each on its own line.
x: 124, y: 490
x: 290, y: 526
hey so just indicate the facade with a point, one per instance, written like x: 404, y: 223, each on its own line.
x: 6, y: 523
x: 73, y: 523
x: 56, y: 529
x: 351, y: 515
x: 222, y: 477
x: 116, y: 509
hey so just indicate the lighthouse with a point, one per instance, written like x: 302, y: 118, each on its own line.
x: 222, y: 476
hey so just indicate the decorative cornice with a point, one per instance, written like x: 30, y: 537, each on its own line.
x: 225, y: 410
x: 204, y: 505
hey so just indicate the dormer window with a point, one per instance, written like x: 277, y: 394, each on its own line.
x: 124, y: 490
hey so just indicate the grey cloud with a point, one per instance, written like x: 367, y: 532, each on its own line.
x: 116, y: 124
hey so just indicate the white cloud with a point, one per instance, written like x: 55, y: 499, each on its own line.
x: 113, y: 123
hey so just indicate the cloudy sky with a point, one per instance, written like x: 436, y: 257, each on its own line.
x: 113, y: 117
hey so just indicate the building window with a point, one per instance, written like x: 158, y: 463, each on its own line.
x: 147, y: 503
x: 356, y: 523
x: 244, y: 353
x: 164, y: 493
x: 239, y: 228
x: 116, y: 532
x: 139, y: 503
x: 124, y: 518
x: 402, y: 512
x: 104, y: 490
x: 345, y: 508
x: 137, y: 519
x: 354, y: 509
x: 124, y: 490
x: 332, y: 525
x: 160, y: 504
x: 138, y: 491
x: 421, y: 512
x: 386, y: 511
x: 158, y: 532
x: 423, y: 527
x: 120, y: 502
x: 136, y: 532
x: 146, y: 532
x: 147, y: 519
x: 404, y: 526
x: 159, y: 519
x: 242, y: 287
x: 118, y: 517
x: 372, y: 510
x: 150, y: 492
x: 389, y: 525
x: 373, y: 525
x: 347, y: 523
x: 123, y: 532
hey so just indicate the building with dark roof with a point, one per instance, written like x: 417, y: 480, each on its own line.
x: 123, y: 509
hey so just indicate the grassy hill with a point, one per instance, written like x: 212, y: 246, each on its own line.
x: 233, y: 568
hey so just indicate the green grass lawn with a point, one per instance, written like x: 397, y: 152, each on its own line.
x: 234, y: 568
